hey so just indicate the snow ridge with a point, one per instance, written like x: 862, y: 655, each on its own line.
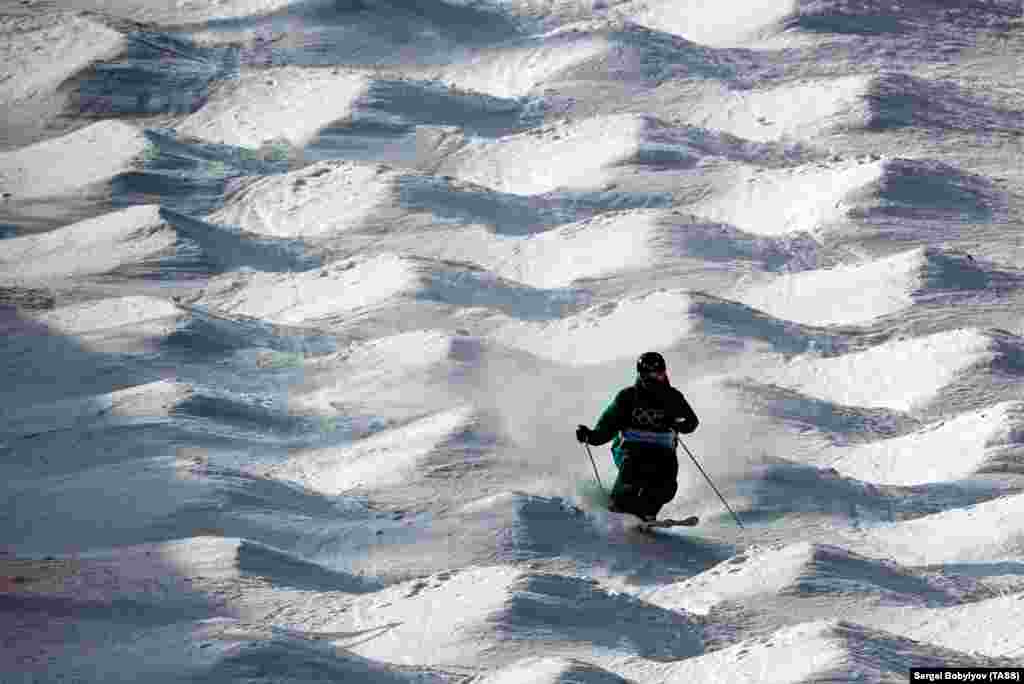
x: 879, y: 288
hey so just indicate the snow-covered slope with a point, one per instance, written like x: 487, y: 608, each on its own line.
x: 172, y: 15
x: 391, y: 458
x: 606, y: 53
x: 796, y: 571
x: 552, y: 670
x: 357, y: 204
x: 77, y: 319
x: 706, y: 23
x: 149, y: 400
x: 594, y: 334
x: 221, y: 558
x: 599, y: 246
x: 820, y: 651
x: 618, y: 244
x: 900, y: 374
x: 865, y: 292
x: 824, y: 196
x: 811, y: 108
x: 584, y: 153
x: 361, y: 284
x: 217, y: 649
x: 672, y: 319
x: 502, y: 610
x: 515, y: 71
x: 984, y: 440
x: 538, y: 161
x: 972, y: 627
x: 803, y: 199
x: 39, y: 52
x: 90, y: 247
x: 101, y: 151
x: 320, y: 200
x: 302, y: 302
x: 953, y: 536
x: 860, y: 293
x: 286, y: 104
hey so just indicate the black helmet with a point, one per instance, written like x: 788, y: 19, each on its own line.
x: 650, y: 362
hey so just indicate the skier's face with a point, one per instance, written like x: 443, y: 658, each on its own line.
x: 655, y: 376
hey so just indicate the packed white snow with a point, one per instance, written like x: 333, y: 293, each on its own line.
x: 818, y: 651
x: 485, y: 615
x: 603, y: 245
x: 803, y: 569
x: 100, y: 151
x: 900, y: 374
x: 287, y: 104
x: 178, y: 13
x: 973, y: 627
x: 941, y: 452
x: 793, y: 111
x: 842, y: 295
x: 343, y: 287
x: 88, y: 248
x: 108, y: 313
x: 564, y: 155
x: 148, y: 400
x: 955, y: 535
x: 779, y: 202
x: 594, y: 335
x: 387, y: 459
x: 389, y: 378
x: 38, y: 52
x: 705, y: 22
x: 552, y: 670
x: 516, y: 71
x: 320, y: 200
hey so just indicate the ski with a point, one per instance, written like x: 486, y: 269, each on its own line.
x: 671, y: 522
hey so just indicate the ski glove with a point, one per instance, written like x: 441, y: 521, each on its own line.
x: 583, y: 433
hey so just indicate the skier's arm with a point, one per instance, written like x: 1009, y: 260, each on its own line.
x: 608, y: 424
x: 686, y: 422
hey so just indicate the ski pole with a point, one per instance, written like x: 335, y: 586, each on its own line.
x: 735, y: 517
x: 596, y: 476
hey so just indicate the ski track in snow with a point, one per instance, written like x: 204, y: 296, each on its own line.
x: 301, y: 302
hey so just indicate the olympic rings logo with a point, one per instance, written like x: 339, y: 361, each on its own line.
x: 648, y: 416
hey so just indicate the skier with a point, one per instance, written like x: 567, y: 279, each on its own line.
x: 643, y: 420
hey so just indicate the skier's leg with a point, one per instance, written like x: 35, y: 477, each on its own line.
x: 662, y: 485
x: 627, y: 488
x: 658, y: 497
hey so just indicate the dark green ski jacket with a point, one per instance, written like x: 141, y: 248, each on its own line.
x: 643, y: 419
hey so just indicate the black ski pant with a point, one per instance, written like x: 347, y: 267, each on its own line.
x: 646, y: 481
